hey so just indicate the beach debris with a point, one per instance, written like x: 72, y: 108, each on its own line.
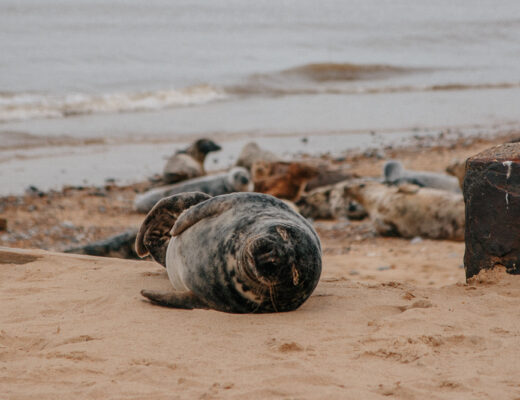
x: 188, y: 163
x: 330, y: 202
x: 409, y: 210
x: 119, y: 246
x: 252, y: 153
x: 286, y: 180
x: 492, y: 196
x: 395, y: 174
x: 237, y: 179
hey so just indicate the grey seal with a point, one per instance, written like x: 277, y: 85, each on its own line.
x: 237, y: 253
x: 394, y: 173
x: 235, y: 180
x: 188, y: 163
x: 409, y: 210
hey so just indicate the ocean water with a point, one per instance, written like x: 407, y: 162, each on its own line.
x: 80, y: 73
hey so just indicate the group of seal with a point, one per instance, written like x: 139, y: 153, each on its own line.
x: 238, y: 253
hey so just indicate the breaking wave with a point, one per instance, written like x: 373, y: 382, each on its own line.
x: 22, y: 106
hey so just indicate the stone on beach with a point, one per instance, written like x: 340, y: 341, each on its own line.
x: 492, y: 196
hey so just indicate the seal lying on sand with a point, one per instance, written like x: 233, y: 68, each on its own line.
x: 394, y: 173
x: 239, y: 253
x: 411, y: 211
x: 188, y: 163
x: 236, y: 180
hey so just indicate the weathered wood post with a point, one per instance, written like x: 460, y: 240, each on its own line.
x: 492, y: 197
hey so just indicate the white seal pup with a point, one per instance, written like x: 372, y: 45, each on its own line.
x: 236, y: 180
x: 188, y: 163
x: 238, y: 253
x: 394, y: 173
x: 410, y: 210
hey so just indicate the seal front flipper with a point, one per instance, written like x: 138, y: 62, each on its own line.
x: 217, y: 205
x: 185, y: 300
x: 154, y: 234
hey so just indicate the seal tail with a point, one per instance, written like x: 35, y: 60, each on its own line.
x: 154, y: 236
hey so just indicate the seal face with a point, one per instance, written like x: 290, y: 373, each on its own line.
x: 241, y: 253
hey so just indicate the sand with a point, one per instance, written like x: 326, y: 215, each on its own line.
x: 76, y: 326
x: 390, y: 317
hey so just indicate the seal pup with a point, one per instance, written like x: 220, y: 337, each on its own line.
x: 188, y: 163
x: 236, y: 180
x: 410, y: 210
x: 394, y: 173
x: 238, y: 253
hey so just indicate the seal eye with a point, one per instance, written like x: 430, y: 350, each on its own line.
x: 244, y: 180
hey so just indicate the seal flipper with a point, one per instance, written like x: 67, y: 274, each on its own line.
x: 185, y: 300
x: 216, y: 206
x: 154, y: 234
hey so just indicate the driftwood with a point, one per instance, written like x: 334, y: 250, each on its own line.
x: 286, y: 180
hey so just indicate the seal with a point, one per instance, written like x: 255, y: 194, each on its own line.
x: 330, y: 202
x: 394, y: 173
x: 236, y: 180
x: 410, y: 210
x: 237, y: 253
x: 188, y: 163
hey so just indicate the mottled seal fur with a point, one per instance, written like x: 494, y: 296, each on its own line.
x: 394, y: 173
x: 239, y: 253
x: 330, y: 202
x: 188, y: 163
x: 410, y: 210
x: 236, y: 180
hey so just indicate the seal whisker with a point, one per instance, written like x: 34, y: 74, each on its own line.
x: 272, y: 296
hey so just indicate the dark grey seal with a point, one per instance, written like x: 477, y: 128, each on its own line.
x: 235, y: 180
x: 394, y: 173
x: 238, y: 253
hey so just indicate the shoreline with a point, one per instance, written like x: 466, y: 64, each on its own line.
x: 96, y: 162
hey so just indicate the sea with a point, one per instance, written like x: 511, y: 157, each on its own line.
x: 92, y: 90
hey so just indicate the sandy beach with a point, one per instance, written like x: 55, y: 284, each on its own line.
x: 96, y: 96
x: 390, y: 317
